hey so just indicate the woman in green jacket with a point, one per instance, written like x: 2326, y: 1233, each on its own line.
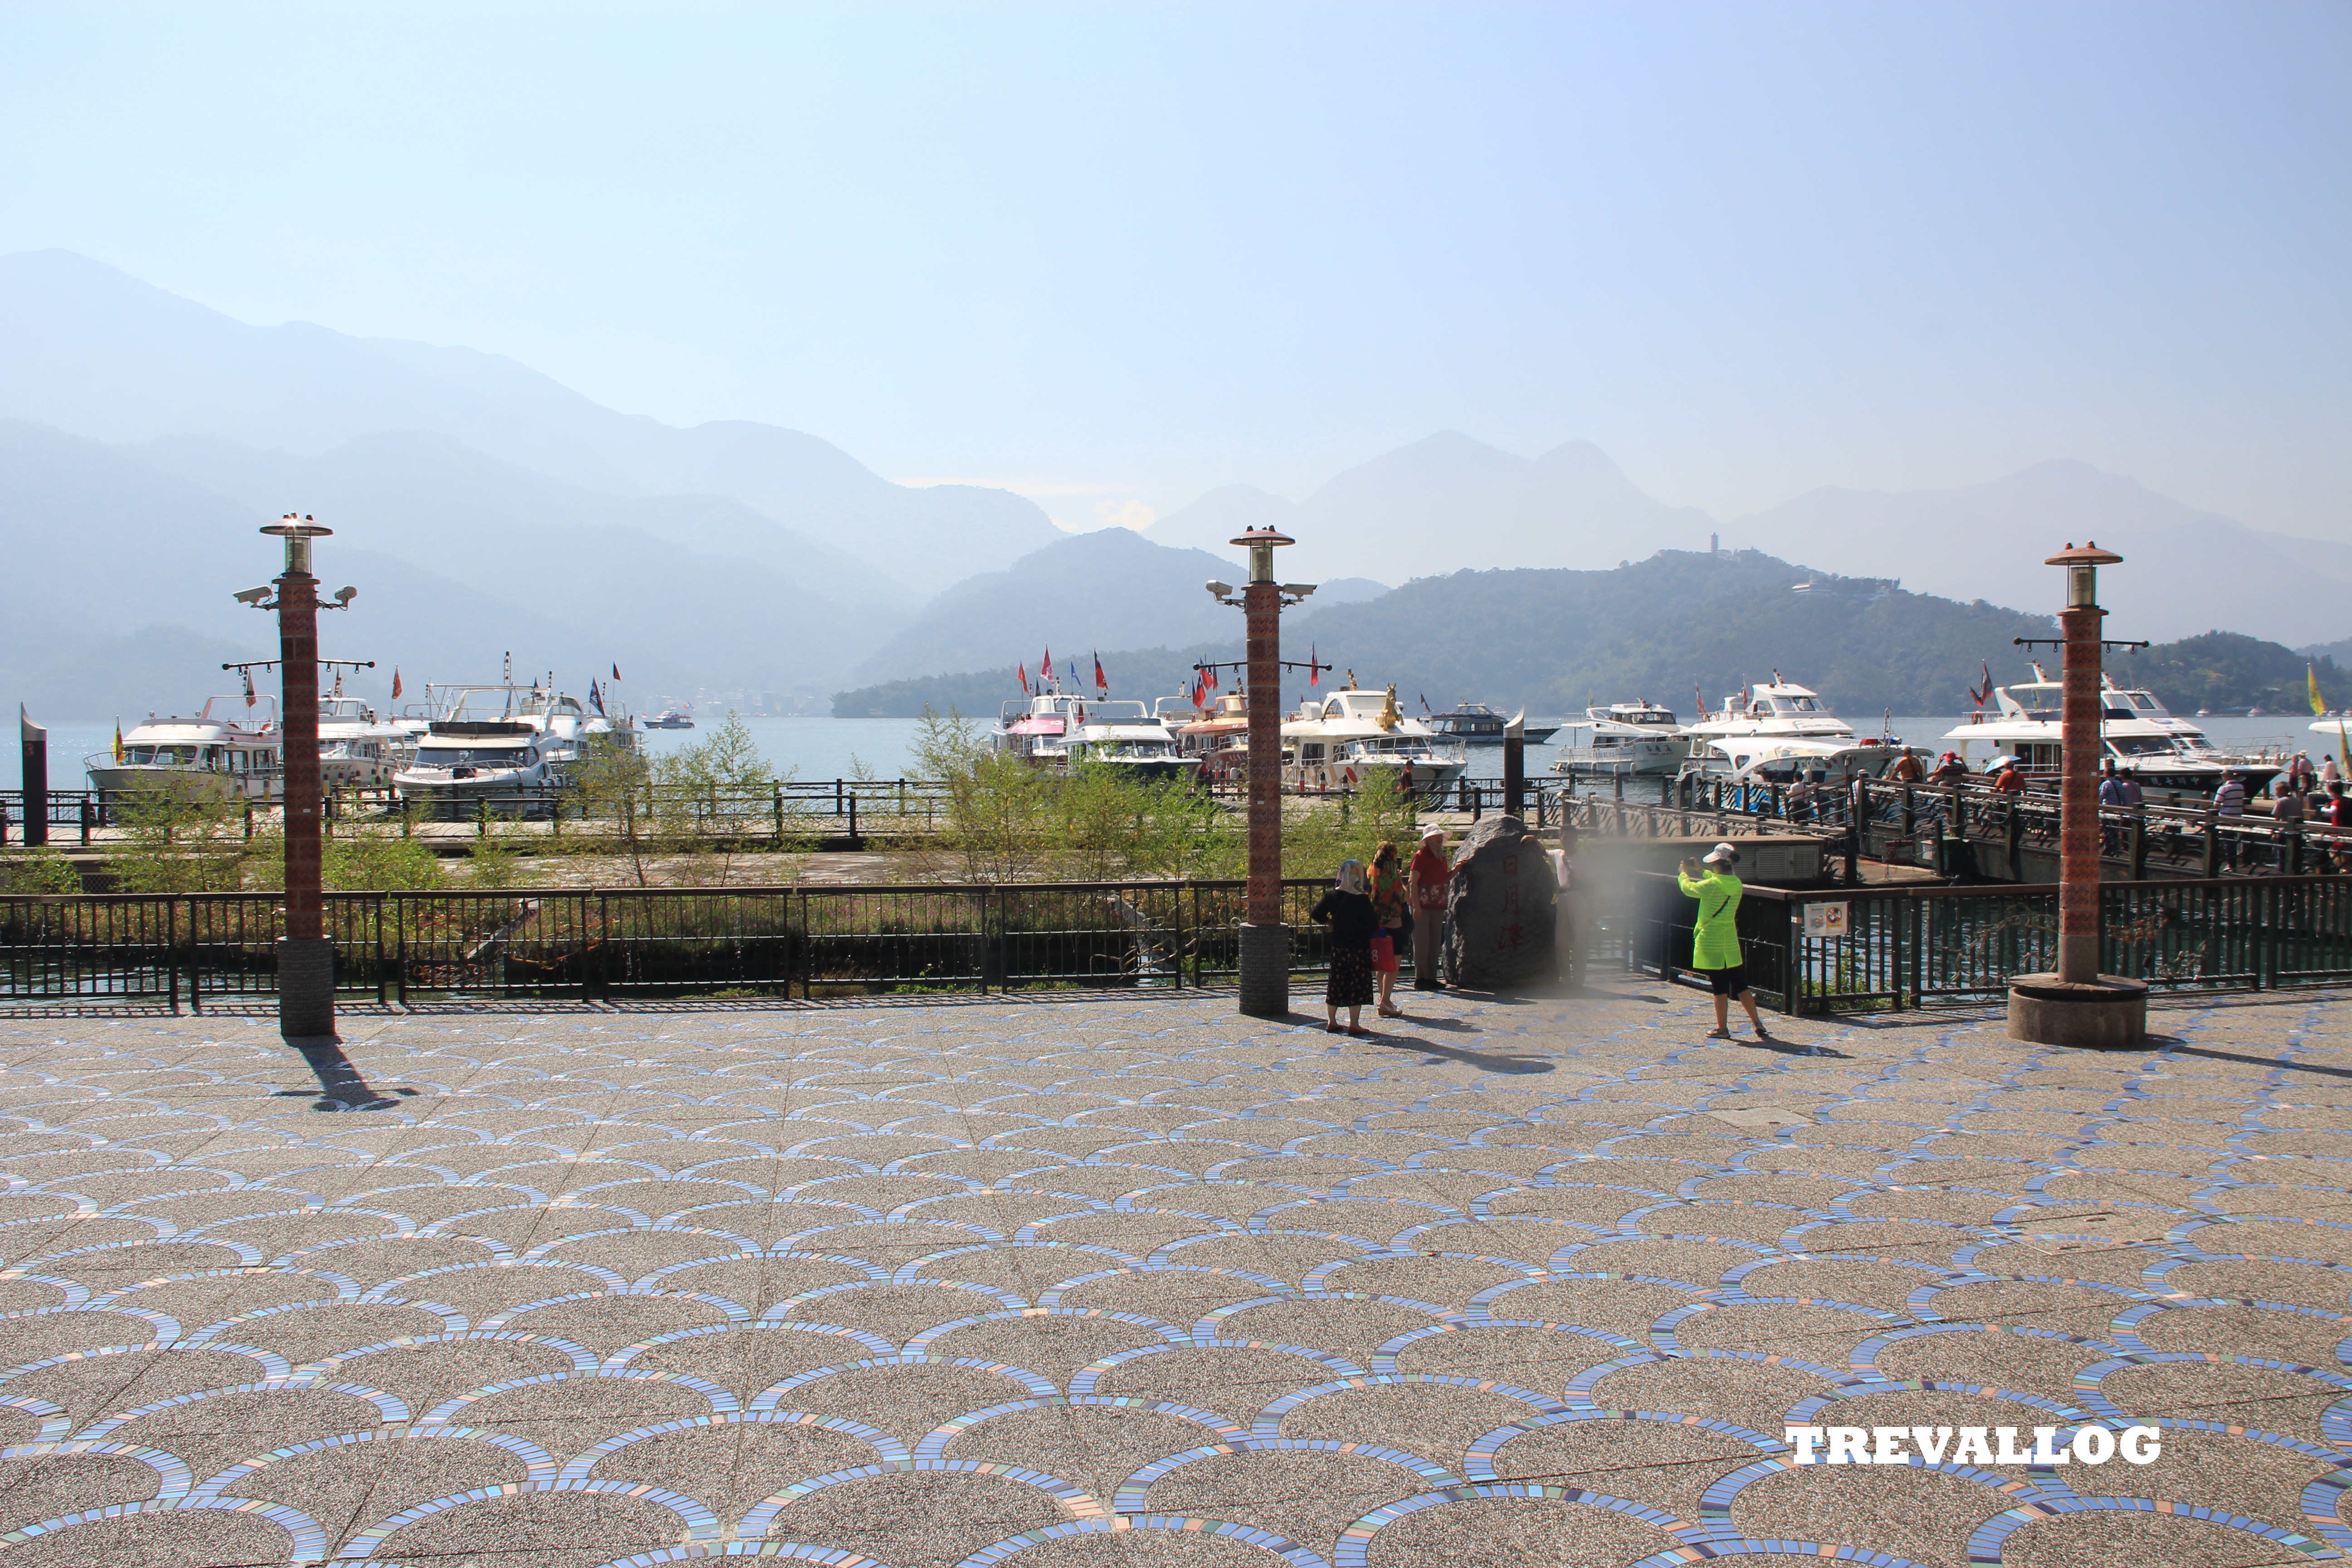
x: 1714, y: 943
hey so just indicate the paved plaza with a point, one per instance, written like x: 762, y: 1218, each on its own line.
x: 1131, y: 1280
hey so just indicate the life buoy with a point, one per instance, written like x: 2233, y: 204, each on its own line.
x: 1352, y: 775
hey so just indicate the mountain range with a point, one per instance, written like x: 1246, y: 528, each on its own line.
x: 483, y: 508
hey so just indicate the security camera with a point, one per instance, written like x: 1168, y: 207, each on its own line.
x: 253, y: 596
x: 1220, y: 589
x: 344, y: 596
x: 1298, y: 590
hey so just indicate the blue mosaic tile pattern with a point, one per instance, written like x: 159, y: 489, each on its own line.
x: 1133, y: 1281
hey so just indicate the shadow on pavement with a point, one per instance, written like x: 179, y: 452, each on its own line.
x: 341, y: 1086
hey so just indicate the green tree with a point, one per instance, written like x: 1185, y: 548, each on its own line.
x: 182, y: 836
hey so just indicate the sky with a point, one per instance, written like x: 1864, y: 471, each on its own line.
x: 1116, y: 255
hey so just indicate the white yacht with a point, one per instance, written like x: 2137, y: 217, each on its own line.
x: 224, y: 754
x: 2136, y: 733
x: 1054, y: 729
x: 1781, y: 722
x: 357, y: 749
x: 1621, y: 738
x: 1355, y: 737
x: 501, y: 740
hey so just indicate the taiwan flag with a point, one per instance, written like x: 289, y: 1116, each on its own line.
x: 1102, y: 686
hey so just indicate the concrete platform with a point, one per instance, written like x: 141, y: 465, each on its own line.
x: 1134, y: 1280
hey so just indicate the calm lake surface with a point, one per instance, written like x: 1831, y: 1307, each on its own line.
x: 835, y: 748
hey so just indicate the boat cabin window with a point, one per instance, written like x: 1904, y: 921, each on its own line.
x: 476, y: 757
x: 1310, y: 751
x: 1780, y: 771
x: 2140, y: 746
x: 1794, y: 705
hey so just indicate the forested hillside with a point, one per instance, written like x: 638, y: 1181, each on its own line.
x: 1554, y: 641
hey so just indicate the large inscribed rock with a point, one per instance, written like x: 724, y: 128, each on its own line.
x: 1501, y: 908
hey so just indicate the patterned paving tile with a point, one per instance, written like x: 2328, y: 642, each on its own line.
x: 1136, y: 1282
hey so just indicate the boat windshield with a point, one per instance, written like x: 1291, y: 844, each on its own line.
x: 166, y: 756
x: 2141, y: 746
x: 1408, y: 745
x: 1794, y: 705
x: 476, y: 757
x: 1132, y: 751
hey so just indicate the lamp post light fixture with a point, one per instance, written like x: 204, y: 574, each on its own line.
x: 306, y: 955
x: 2078, y: 1006
x: 1265, y: 940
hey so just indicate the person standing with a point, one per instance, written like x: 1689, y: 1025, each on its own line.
x: 1426, y: 881
x: 2230, y: 805
x: 2115, y: 795
x: 1907, y: 768
x: 1715, y: 938
x: 1389, y: 904
x: 1800, y: 798
x: 1348, y: 909
x: 2287, y: 811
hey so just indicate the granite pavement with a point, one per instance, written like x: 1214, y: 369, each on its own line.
x: 1129, y: 1279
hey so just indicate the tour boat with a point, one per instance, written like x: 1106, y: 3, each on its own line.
x: 1055, y: 728
x: 671, y: 719
x: 1779, y: 727
x: 504, y: 741
x: 2136, y: 733
x: 357, y: 750
x: 222, y: 755
x: 1622, y: 738
x: 1474, y: 723
x: 1357, y: 739
x: 1218, y: 735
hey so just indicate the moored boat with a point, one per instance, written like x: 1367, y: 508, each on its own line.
x: 223, y: 755
x: 1359, y: 738
x: 1476, y: 724
x: 1778, y: 726
x: 2161, y: 750
x: 506, y: 744
x: 1629, y: 738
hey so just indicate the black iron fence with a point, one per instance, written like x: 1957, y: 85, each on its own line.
x: 1923, y: 945
x: 196, y: 949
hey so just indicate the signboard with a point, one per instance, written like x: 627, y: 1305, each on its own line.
x: 1825, y: 920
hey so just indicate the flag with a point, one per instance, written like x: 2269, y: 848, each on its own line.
x: 1045, y: 670
x: 248, y: 688
x: 1425, y: 700
x: 1983, y: 697
x: 1314, y: 666
x: 594, y: 696
x: 2311, y: 680
x: 617, y: 672
x: 117, y: 740
x: 1700, y: 696
x: 1101, y: 686
x: 396, y: 683
x: 1024, y: 673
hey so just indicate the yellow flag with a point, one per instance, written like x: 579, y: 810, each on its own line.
x: 117, y: 740
x: 2311, y: 680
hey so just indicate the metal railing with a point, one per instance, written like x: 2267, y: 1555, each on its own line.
x: 1921, y: 946
x: 199, y: 949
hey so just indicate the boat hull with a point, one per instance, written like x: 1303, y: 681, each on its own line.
x: 124, y: 778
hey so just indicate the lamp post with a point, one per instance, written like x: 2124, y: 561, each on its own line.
x: 1265, y: 940
x: 2078, y: 1006
x: 306, y: 955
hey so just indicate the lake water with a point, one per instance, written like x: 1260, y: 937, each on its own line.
x: 835, y: 748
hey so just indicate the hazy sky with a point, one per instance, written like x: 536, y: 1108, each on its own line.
x: 1119, y: 254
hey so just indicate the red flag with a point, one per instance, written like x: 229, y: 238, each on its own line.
x: 617, y: 672
x: 1045, y: 670
x: 396, y: 683
x: 249, y: 689
x: 1985, y: 696
x: 1101, y: 686
x: 1314, y: 668
x: 1025, y: 679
